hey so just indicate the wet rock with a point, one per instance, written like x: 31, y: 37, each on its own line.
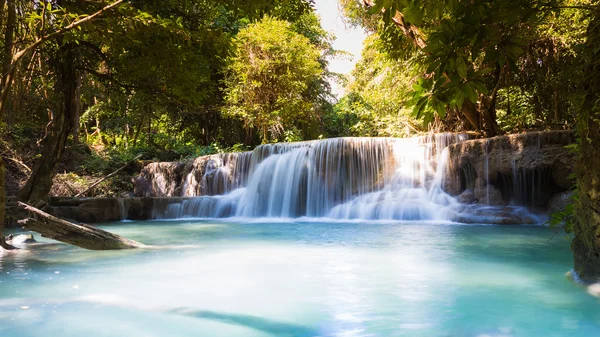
x: 161, y: 179
x: 507, y: 215
x: 20, y: 239
x: 488, y: 195
x: 527, y: 168
x: 87, y: 210
x: 95, y: 210
x: 594, y: 289
x: 466, y: 197
x: 142, y: 187
x: 562, y: 169
x: 559, y: 201
x: 205, y: 175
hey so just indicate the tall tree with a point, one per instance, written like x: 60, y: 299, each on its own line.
x: 270, y: 78
x: 586, y: 244
x: 63, y: 62
x: 469, y: 49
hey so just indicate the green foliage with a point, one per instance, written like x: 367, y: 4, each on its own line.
x: 515, y: 110
x: 375, y: 104
x: 270, y: 78
x: 149, y: 60
x: 566, y: 217
x: 474, y: 53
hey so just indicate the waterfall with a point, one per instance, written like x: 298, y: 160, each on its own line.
x: 123, y: 208
x: 342, y: 178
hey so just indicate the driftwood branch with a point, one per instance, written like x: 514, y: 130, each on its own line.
x: 81, y: 235
x: 108, y: 176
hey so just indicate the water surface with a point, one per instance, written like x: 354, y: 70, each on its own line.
x: 301, y: 279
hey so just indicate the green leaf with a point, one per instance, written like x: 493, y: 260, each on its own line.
x: 439, y: 107
x: 470, y: 92
x: 377, y: 7
x: 460, y: 99
x: 485, y: 71
x: 461, y: 67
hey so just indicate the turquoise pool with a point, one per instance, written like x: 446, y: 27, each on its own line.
x: 257, y: 278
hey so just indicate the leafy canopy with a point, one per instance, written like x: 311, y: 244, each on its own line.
x: 270, y: 77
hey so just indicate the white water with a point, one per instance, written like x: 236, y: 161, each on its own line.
x: 342, y: 178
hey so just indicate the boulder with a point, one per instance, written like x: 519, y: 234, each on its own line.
x: 559, y: 201
x: 488, y: 195
x: 466, y: 197
x: 20, y: 239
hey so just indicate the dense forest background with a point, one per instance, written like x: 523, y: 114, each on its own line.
x: 89, y: 85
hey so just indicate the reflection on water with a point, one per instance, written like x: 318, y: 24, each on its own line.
x: 300, y: 279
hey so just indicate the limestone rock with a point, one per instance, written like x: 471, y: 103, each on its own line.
x: 559, y: 201
x: 488, y: 195
x: 466, y: 197
x: 480, y: 214
x: 20, y: 239
x: 88, y: 210
x: 205, y: 175
x: 527, y: 168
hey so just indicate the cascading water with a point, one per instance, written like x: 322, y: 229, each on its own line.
x: 342, y: 178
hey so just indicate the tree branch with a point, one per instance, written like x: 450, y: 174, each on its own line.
x: 63, y: 30
x: 17, y: 56
x: 409, y: 30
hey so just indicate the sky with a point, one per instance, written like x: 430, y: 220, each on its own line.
x: 347, y: 39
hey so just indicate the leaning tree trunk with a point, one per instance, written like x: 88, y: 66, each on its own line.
x: 81, y: 235
x: 586, y: 244
x: 39, y: 183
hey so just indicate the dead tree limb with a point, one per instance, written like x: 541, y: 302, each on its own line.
x: 108, y: 176
x: 81, y: 235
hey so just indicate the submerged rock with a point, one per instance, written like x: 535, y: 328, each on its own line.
x: 507, y: 215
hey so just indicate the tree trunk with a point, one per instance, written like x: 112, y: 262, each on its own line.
x: 137, y: 130
x: 40, y: 181
x: 127, y: 118
x: 80, y: 235
x: 586, y: 244
x: 470, y: 112
x: 16, y: 57
x: 7, y: 67
x: 78, y: 108
x: 2, y: 3
x: 3, y: 243
x: 475, y: 115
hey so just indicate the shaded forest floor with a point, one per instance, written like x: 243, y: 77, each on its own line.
x: 81, y: 165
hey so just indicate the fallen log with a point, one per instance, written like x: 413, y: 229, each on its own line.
x: 81, y: 235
